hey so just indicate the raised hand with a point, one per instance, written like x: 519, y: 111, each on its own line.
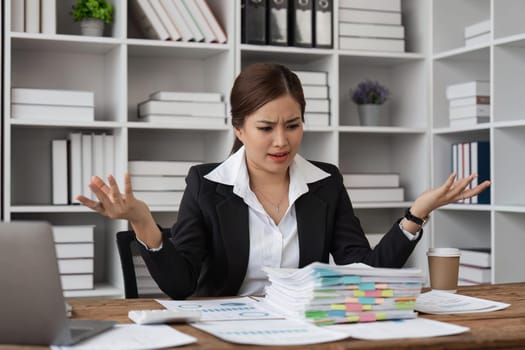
x: 451, y: 191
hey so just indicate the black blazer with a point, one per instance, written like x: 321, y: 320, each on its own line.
x: 207, y: 254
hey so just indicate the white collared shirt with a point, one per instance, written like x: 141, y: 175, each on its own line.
x: 274, y: 245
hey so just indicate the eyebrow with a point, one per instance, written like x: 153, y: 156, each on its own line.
x: 289, y: 121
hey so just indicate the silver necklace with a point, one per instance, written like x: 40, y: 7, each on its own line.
x: 277, y: 205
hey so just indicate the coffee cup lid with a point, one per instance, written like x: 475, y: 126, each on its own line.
x: 443, y: 252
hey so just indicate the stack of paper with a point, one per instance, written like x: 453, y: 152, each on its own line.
x: 327, y: 294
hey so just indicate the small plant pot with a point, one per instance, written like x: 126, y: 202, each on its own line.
x: 92, y: 27
x: 369, y: 114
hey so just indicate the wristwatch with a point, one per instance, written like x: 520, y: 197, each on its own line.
x: 415, y: 219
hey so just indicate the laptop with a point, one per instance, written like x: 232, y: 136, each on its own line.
x: 32, y: 305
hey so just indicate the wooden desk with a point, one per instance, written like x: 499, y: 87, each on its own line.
x: 504, y: 329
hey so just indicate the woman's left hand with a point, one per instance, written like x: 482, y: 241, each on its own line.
x: 451, y: 191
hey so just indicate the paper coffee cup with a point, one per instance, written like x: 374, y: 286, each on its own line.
x: 443, y: 267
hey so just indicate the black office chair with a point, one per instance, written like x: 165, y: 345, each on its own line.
x: 127, y: 244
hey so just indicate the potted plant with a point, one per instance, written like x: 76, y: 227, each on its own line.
x: 369, y: 96
x: 92, y: 14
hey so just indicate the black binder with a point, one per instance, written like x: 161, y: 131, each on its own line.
x: 301, y: 19
x: 323, y: 23
x: 277, y: 22
x: 253, y: 22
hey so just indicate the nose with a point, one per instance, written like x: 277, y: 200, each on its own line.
x: 280, y: 138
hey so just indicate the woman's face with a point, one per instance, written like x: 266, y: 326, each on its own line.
x: 272, y: 135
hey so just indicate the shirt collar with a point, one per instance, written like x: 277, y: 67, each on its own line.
x: 233, y: 172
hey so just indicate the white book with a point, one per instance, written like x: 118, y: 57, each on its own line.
x: 32, y: 16
x: 177, y: 20
x: 479, y: 257
x: 474, y: 169
x: 315, y: 91
x: 77, y: 282
x: 48, y: 16
x: 212, y: 21
x: 371, y: 180
x: 317, y: 119
x: 158, y: 183
x: 53, y: 97
x: 200, y: 20
x: 371, y: 44
x: 173, y: 168
x: 109, y: 155
x: 87, y: 164
x: 75, y: 266
x: 17, y: 15
x: 59, y: 168
x: 98, y: 155
x: 73, y: 233
x: 188, y: 19
x: 455, y: 159
x: 469, y: 111
x: 178, y: 120
x: 469, y: 101
x: 207, y: 109
x: 363, y: 16
x: 52, y: 113
x: 159, y: 197
x: 466, y: 165
x: 186, y: 96
x: 148, y: 20
x: 372, y: 30
x: 317, y: 105
x: 379, y: 5
x: 478, y: 39
x: 469, y: 88
x: 376, y: 194
x: 75, y: 166
x: 165, y: 20
x: 468, y: 122
x: 474, y: 274
x: 75, y: 250
x: 312, y: 78
x: 478, y: 28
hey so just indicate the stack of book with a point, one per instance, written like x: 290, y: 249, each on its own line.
x: 303, y: 23
x: 374, y: 187
x: 372, y: 25
x: 52, y: 105
x: 159, y: 182
x: 177, y: 20
x: 146, y: 285
x: 184, y: 108
x: 76, y: 160
x: 478, y: 33
x: 475, y: 266
x: 329, y: 294
x: 315, y: 89
x: 75, y: 250
x: 34, y: 16
x: 469, y: 103
x: 469, y: 158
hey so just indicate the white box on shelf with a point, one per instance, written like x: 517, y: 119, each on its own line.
x: 59, y: 171
x: 77, y: 282
x: 479, y: 257
x: 75, y: 250
x: 315, y: 91
x: 376, y: 194
x: 75, y: 265
x: 474, y: 274
x: 379, y: 5
x: 158, y: 183
x: 317, y: 105
x: 52, y: 113
x: 469, y: 101
x: 53, y: 97
x: 186, y: 96
x: 73, y: 233
x: 371, y: 180
x: 372, y: 30
x: 468, y: 122
x: 469, y: 88
x: 312, y: 78
x: 183, y: 121
x: 147, y: 167
x: 317, y: 119
x: 184, y: 108
x: 478, y: 28
x: 363, y: 16
x: 160, y: 197
x: 371, y: 44
x: 469, y: 111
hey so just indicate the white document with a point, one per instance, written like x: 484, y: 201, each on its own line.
x: 224, y: 309
x: 435, y: 302
x: 270, y: 332
x: 133, y: 337
x: 411, y: 328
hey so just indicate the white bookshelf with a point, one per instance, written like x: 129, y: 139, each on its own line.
x: 123, y: 68
x: 498, y: 225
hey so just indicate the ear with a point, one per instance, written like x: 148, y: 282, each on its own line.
x: 239, y: 133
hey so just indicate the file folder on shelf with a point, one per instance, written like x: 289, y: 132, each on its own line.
x: 301, y: 23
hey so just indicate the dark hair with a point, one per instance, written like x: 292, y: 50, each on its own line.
x: 259, y: 84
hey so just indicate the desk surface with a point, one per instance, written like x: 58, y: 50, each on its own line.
x: 504, y: 329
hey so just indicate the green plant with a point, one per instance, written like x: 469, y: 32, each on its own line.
x: 99, y: 9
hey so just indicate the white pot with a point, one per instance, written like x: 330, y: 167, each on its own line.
x: 92, y: 27
x: 369, y: 114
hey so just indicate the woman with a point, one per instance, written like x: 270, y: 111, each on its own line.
x: 263, y: 206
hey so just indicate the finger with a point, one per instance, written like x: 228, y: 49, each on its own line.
x: 115, y: 191
x: 127, y: 186
x: 94, y: 205
x: 478, y: 189
x: 101, y: 184
x: 101, y: 195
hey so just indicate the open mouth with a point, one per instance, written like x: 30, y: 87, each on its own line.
x: 279, y: 157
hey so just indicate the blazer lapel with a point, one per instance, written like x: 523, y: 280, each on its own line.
x: 311, y: 226
x: 234, y: 226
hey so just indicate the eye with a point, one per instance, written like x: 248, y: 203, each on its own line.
x: 264, y: 128
x: 293, y: 126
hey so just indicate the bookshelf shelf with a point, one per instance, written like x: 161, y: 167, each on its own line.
x: 50, y: 209
x: 380, y: 130
x: 60, y: 124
